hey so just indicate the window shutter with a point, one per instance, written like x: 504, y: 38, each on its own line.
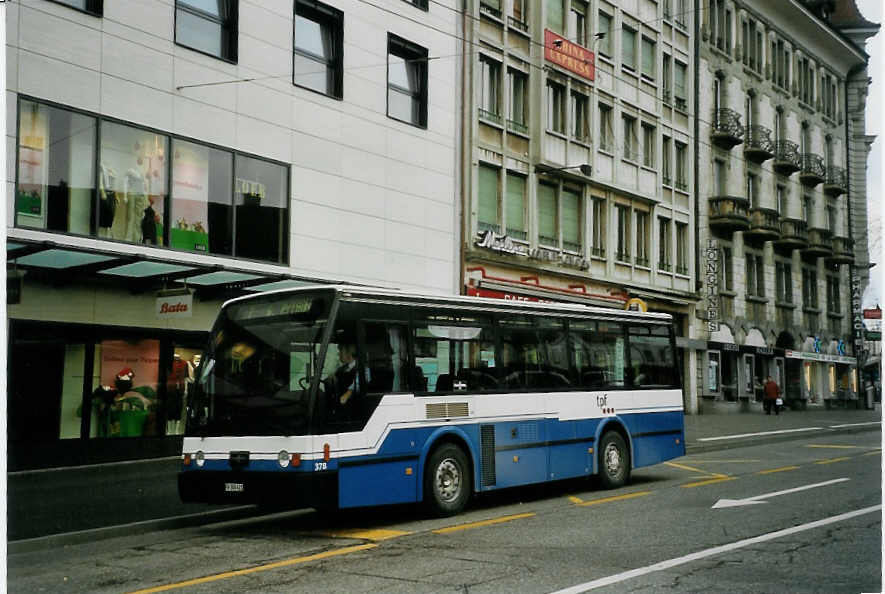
x: 547, y: 214
x: 571, y: 217
x: 515, y: 203
x: 488, y: 196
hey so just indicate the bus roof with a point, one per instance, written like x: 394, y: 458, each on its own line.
x: 383, y: 293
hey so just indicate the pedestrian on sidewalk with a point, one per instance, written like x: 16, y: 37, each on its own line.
x: 771, y: 397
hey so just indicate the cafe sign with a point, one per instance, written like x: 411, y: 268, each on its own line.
x: 503, y: 244
x: 568, y: 55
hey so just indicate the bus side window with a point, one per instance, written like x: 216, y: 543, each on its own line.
x: 651, y: 357
x: 454, y: 353
x: 386, y: 357
x: 600, y: 354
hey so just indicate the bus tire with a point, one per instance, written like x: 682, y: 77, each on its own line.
x: 447, y: 480
x: 614, y: 461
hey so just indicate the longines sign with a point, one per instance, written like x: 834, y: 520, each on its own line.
x: 504, y: 245
x: 711, y: 280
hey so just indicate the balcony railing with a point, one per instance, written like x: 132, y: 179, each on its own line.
x: 490, y: 10
x: 758, y: 145
x: 786, y: 157
x: 729, y: 213
x: 813, y: 171
x: 765, y: 225
x: 490, y: 116
x: 794, y: 235
x: 843, y: 250
x: 727, y: 128
x: 836, y: 182
x: 517, y: 127
x: 820, y: 243
x: 517, y: 24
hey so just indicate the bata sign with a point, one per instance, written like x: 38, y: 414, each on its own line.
x: 570, y: 56
x: 178, y: 306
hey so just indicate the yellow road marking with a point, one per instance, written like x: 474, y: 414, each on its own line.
x: 873, y: 453
x: 685, y: 467
x: 373, y: 535
x: 574, y: 499
x: 833, y: 447
x: 615, y: 498
x: 726, y: 461
x: 831, y: 460
x: 482, y: 523
x: 720, y: 479
x: 269, y: 566
x: 781, y: 469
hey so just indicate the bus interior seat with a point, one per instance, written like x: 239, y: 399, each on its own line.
x: 444, y: 383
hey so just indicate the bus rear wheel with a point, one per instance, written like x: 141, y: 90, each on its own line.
x: 614, y: 461
x: 447, y: 481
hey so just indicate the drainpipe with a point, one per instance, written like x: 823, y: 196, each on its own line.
x: 463, y: 170
x: 697, y: 197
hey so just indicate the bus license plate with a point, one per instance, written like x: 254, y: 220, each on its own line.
x: 234, y: 487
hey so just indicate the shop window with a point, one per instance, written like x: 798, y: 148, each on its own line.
x: 56, y: 169
x: 600, y: 354
x: 132, y: 184
x: 319, y: 48
x: 93, y: 7
x: 406, y: 81
x: 201, y: 199
x: 651, y: 357
x: 713, y: 386
x: 455, y: 354
x: 261, y: 198
x: 208, y: 26
x: 124, y: 396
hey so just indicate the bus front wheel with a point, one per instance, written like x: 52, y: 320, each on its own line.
x: 614, y: 461
x: 447, y: 481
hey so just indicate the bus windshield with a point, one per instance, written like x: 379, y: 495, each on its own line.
x: 256, y: 376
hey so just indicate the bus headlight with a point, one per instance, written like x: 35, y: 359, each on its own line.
x: 200, y: 458
x: 283, y: 458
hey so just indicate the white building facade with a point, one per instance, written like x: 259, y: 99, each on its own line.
x: 577, y: 163
x: 781, y: 175
x: 167, y: 155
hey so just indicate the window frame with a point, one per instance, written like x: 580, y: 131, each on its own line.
x: 409, y: 52
x: 229, y: 54
x: 92, y: 7
x: 329, y: 15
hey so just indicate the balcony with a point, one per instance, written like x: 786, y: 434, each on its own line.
x: 765, y: 225
x: 794, y: 235
x: 843, y: 251
x: 820, y: 243
x: 812, y: 170
x: 727, y: 129
x: 729, y: 213
x: 758, y: 146
x: 836, y: 182
x: 786, y: 157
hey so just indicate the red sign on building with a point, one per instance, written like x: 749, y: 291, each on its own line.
x: 571, y: 56
x: 872, y: 314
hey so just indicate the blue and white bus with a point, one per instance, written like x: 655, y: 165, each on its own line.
x: 348, y: 396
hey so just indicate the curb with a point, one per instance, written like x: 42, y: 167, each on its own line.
x: 701, y: 448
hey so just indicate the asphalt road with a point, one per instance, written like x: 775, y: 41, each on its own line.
x: 810, y: 521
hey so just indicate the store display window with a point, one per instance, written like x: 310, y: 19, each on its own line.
x: 201, y: 198
x: 261, y: 199
x: 180, y: 374
x: 124, y: 397
x: 56, y: 180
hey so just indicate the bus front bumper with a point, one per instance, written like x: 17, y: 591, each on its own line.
x: 264, y: 488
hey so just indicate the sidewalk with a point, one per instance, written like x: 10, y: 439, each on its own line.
x: 47, y: 509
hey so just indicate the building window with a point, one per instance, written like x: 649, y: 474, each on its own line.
x: 492, y: 7
x: 202, y: 199
x: 623, y: 245
x: 555, y: 107
x: 809, y: 288
x: 784, y: 274
x: 642, y: 231
x: 681, y: 171
x: 720, y: 178
x: 516, y: 210
x: 604, y: 33
x: 571, y: 221
x: 518, y: 103
x: 755, y: 280
x: 598, y: 239
x: 681, y: 248
x: 489, y: 89
x: 648, y: 145
x: 648, y: 58
x: 628, y: 48
x: 93, y: 7
x: 578, y: 22
x: 727, y: 269
x: 666, y: 82
x: 208, y: 27
x: 666, y: 170
x: 580, y: 126
x: 606, y: 133
x: 548, y: 233
x: 422, y: 4
x: 752, y: 36
x: 488, y: 209
x: 679, y: 91
x: 753, y: 190
x: 631, y: 143
x: 831, y: 218
x: 261, y: 203
x: 834, y: 301
x: 318, y: 48
x: 663, y: 244
x: 780, y: 195
x: 406, y: 81
x: 555, y: 15
x: 807, y: 209
x: 518, y: 14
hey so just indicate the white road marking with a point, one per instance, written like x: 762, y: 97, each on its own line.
x: 757, y: 499
x: 620, y: 577
x: 854, y: 425
x: 757, y: 434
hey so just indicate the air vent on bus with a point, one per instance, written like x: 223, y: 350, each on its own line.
x: 446, y: 410
x: 487, y: 455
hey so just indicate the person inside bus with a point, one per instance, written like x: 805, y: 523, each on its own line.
x: 346, y: 376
